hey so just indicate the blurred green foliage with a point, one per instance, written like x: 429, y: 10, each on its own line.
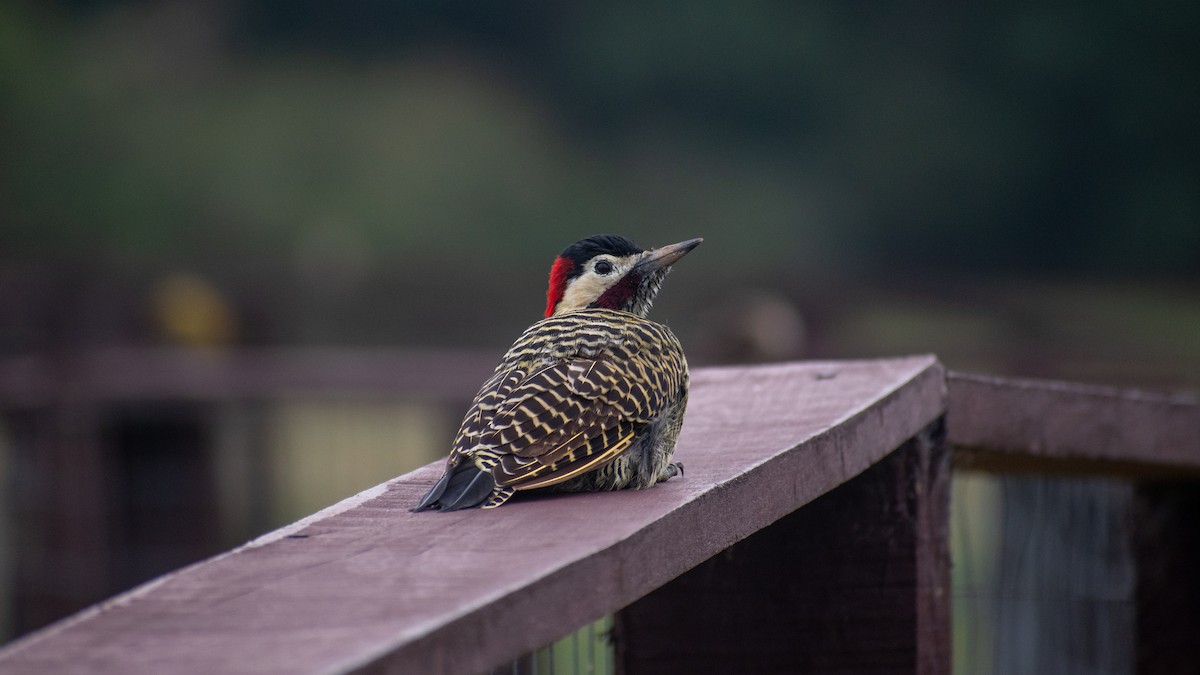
x: 1016, y: 137
x: 342, y: 170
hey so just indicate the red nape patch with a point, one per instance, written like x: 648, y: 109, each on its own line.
x: 558, y: 282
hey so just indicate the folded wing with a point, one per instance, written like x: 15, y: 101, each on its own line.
x: 541, y: 427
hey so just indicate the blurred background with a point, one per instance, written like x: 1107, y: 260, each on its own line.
x: 256, y: 255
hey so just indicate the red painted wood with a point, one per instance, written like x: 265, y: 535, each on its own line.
x: 1074, y: 422
x: 367, y: 584
x: 858, y: 581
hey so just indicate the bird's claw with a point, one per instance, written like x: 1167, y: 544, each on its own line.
x: 670, y: 471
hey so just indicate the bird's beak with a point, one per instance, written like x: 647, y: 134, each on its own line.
x: 666, y: 256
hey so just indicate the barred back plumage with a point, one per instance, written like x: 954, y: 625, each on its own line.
x: 591, y: 399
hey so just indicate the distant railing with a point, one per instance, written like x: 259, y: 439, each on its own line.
x: 810, y: 533
x: 120, y: 464
x: 205, y: 375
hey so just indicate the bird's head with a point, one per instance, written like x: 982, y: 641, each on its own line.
x: 610, y: 272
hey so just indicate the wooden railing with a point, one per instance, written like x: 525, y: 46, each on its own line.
x: 195, y: 375
x: 1101, y: 570
x: 809, y: 534
x: 120, y: 464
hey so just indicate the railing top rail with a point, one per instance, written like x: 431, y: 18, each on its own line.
x: 1010, y: 424
x: 366, y: 583
x: 101, y: 375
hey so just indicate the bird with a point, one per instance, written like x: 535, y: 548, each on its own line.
x: 589, y: 398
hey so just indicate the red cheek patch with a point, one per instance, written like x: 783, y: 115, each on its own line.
x: 619, y: 294
x: 558, y: 283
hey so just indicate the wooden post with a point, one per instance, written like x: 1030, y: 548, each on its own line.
x: 1167, y: 552
x: 858, y: 581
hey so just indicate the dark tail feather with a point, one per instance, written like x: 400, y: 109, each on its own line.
x: 468, y: 487
x: 431, y: 497
x: 462, y: 487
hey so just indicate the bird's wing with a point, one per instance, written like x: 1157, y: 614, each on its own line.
x: 492, y: 395
x: 563, y: 419
x: 581, y: 453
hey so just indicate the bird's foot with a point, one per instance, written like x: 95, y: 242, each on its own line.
x: 670, y: 471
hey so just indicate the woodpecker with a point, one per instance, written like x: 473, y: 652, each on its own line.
x: 589, y: 398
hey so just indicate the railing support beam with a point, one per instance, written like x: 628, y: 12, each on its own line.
x: 1167, y: 553
x: 858, y: 581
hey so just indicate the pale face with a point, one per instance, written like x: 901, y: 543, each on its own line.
x: 601, y: 273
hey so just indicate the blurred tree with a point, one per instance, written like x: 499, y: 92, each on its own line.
x: 860, y: 140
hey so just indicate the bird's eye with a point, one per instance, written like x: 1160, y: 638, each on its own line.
x: 603, y: 268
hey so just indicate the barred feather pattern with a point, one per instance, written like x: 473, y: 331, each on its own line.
x: 588, y: 400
